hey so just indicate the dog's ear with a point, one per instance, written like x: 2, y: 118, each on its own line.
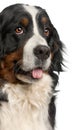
x: 1, y: 43
x: 0, y: 38
x: 56, y: 50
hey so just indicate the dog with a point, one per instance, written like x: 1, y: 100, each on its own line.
x: 30, y: 62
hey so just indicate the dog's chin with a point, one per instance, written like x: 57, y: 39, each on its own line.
x: 30, y: 76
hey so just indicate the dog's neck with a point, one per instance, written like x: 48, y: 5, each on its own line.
x: 29, y: 103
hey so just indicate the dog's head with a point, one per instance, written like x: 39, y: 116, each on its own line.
x: 29, y: 44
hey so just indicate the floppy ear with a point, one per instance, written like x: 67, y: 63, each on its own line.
x: 0, y: 39
x: 1, y: 42
x: 56, y: 65
x: 56, y: 50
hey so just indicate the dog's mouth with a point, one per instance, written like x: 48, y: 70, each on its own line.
x: 29, y: 76
x: 35, y: 73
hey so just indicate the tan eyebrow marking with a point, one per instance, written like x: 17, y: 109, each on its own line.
x: 24, y: 21
x: 44, y: 20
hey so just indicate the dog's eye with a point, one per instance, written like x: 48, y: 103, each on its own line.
x: 19, y: 30
x: 46, y: 31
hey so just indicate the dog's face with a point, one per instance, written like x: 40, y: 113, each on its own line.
x: 29, y: 44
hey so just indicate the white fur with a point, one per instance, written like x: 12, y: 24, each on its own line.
x: 27, y: 108
x: 28, y: 56
x: 33, y: 11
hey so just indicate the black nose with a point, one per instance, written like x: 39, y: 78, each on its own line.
x: 42, y: 52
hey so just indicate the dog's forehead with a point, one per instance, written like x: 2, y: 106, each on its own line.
x: 18, y: 11
x: 31, y: 10
x: 35, y: 11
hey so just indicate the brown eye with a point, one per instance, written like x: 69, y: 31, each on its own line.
x: 46, y: 32
x: 19, y: 30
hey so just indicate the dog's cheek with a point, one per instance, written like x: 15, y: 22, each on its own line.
x: 7, y: 75
x: 7, y: 66
x: 6, y: 72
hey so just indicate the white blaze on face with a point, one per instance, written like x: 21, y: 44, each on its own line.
x: 38, y: 39
x: 28, y: 55
x: 33, y: 11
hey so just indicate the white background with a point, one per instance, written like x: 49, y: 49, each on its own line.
x: 64, y: 16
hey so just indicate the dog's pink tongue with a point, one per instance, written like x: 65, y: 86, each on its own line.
x: 37, y: 73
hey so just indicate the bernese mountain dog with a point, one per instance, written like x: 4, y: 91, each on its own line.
x: 30, y: 62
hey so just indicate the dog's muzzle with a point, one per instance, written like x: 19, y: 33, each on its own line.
x: 36, y: 60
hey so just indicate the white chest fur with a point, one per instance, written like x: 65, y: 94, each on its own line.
x: 28, y: 106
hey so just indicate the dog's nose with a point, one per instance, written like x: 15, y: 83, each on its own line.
x: 42, y: 52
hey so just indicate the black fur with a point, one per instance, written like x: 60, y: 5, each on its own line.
x: 8, y: 22
x: 3, y: 96
x: 52, y: 111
